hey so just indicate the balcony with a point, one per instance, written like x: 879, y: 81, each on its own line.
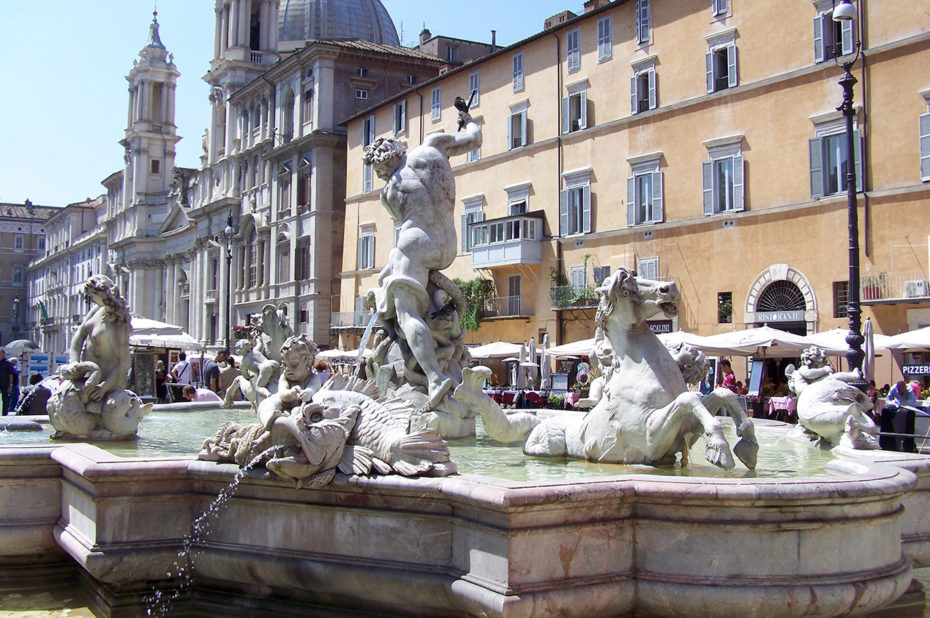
x: 894, y: 287
x: 507, y: 241
x: 350, y: 319
x: 571, y: 297
x: 209, y: 296
x: 255, y: 57
x: 506, y: 306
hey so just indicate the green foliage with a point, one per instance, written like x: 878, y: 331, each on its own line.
x: 477, y: 293
x: 556, y: 401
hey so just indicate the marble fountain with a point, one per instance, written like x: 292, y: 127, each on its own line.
x: 376, y: 497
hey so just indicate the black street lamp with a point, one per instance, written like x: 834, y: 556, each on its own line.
x: 229, y: 234
x: 846, y: 12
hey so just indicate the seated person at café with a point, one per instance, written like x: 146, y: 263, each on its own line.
x: 192, y: 393
x: 901, y: 394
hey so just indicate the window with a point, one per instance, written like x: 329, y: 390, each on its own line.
x: 924, y: 147
x: 302, y: 260
x: 514, y: 293
x: 361, y: 72
x: 473, y: 155
x: 308, y: 106
x: 474, y: 88
x: 17, y: 274
x: 644, y: 194
x: 600, y: 273
x: 516, y: 127
x: 284, y: 260
x: 573, y: 50
x: 284, y: 189
x: 575, y: 204
x: 518, y: 199
x: 436, y: 104
x: 829, y: 163
x: 156, y: 166
x: 831, y: 38
x: 252, y: 249
x: 518, y: 72
x: 605, y: 47
x: 578, y: 278
x: 719, y: 7
x: 720, y: 64
x: 361, y: 93
x: 303, y: 184
x: 400, y: 117
x: 450, y: 54
x: 40, y: 243
x: 575, y: 109
x: 840, y: 299
x: 643, y: 95
x: 474, y: 212
x: 724, y: 307
x: 18, y: 242
x: 648, y: 268
x: 642, y: 21
x: 412, y: 79
x: 366, y: 247
x: 723, y: 177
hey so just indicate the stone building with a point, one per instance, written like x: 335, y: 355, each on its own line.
x: 691, y: 140
x: 283, y: 76
x: 22, y: 238
x: 74, y: 249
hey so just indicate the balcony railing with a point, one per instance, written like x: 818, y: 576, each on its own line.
x: 894, y: 286
x: 506, y: 241
x: 350, y: 319
x: 504, y: 306
x: 569, y: 297
x: 255, y: 57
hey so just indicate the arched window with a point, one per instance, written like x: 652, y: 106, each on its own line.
x: 781, y: 296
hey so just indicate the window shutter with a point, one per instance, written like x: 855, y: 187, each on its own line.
x: 925, y: 147
x: 707, y: 174
x: 818, y: 38
x: 396, y: 125
x: 566, y: 121
x: 563, y: 213
x: 633, y: 106
x: 847, y: 34
x: 523, y: 140
x: 631, y: 201
x: 584, y: 109
x: 586, y: 209
x: 403, y: 115
x: 709, y: 70
x: 510, y: 133
x: 857, y: 148
x: 658, y: 213
x: 361, y: 257
x: 653, y: 96
x: 465, y: 243
x: 816, y: 154
x: 732, y: 79
x: 639, y: 21
x: 739, y: 188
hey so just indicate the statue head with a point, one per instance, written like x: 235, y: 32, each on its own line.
x: 243, y: 346
x: 105, y: 293
x: 385, y: 155
x: 297, y: 355
x: 632, y: 300
x: 813, y: 357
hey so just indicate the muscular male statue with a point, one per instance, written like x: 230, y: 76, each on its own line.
x: 420, y: 196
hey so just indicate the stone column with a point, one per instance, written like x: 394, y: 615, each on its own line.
x: 324, y: 80
x: 218, y: 26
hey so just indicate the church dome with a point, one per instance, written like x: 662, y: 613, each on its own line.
x: 367, y: 20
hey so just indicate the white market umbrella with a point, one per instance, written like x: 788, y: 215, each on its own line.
x: 584, y: 347
x: 155, y: 334
x: 521, y: 370
x: 497, y: 349
x: 545, y: 368
x: 868, y: 361
x: 18, y: 347
x: 762, y: 341
x: 532, y: 367
x: 912, y: 340
x: 833, y: 341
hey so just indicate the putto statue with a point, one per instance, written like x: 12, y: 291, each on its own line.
x: 828, y: 407
x: 92, y: 400
x: 261, y: 357
x: 645, y: 414
x: 421, y: 344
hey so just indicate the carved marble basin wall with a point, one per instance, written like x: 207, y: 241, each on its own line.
x: 838, y: 544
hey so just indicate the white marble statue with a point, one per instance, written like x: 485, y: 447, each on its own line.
x: 272, y: 329
x: 343, y: 425
x: 92, y: 401
x: 417, y: 305
x: 646, y: 414
x: 258, y: 379
x: 828, y: 407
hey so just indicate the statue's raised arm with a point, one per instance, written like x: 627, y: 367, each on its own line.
x: 451, y: 144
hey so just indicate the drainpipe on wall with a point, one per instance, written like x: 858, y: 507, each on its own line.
x: 558, y: 177
x: 866, y: 211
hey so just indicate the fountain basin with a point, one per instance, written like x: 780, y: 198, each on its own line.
x: 841, y: 543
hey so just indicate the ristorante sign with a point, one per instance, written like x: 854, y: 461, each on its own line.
x: 780, y: 316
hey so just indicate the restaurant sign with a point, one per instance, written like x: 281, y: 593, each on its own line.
x: 660, y: 327
x: 916, y: 370
x: 780, y: 316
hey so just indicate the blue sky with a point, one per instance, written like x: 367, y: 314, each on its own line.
x: 64, y: 102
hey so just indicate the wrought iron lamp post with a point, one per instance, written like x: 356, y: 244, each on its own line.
x: 229, y: 234
x: 846, y: 12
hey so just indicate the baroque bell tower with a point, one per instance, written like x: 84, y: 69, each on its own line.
x: 151, y: 133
